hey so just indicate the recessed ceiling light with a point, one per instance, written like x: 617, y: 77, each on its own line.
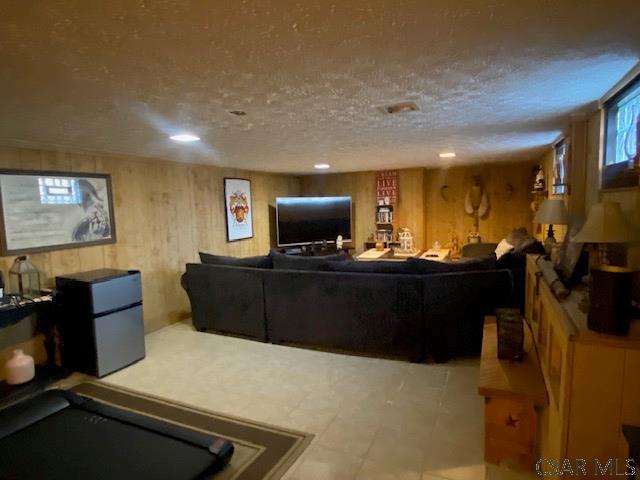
x: 321, y: 166
x: 447, y: 154
x: 184, y: 137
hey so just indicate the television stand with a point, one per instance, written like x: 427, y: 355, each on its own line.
x: 315, y: 250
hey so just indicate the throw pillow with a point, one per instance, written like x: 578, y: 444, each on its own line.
x: 373, y: 267
x: 518, y: 258
x: 261, y: 261
x: 517, y: 237
x: 487, y: 262
x: 282, y: 261
x: 503, y: 247
x: 526, y: 245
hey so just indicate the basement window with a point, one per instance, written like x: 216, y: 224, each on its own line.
x: 622, y: 138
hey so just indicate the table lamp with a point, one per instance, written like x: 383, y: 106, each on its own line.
x: 551, y: 212
x: 610, y: 287
x: 605, y: 224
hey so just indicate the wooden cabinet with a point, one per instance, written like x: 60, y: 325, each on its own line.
x: 592, y: 380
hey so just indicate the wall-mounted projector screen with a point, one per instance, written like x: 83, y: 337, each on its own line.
x: 304, y: 220
x: 53, y: 210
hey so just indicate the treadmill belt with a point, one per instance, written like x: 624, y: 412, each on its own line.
x: 80, y: 441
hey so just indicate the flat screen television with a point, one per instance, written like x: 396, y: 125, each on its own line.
x: 304, y: 220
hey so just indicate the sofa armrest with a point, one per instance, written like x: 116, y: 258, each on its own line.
x: 454, y: 308
x: 227, y: 299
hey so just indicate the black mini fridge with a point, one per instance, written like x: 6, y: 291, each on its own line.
x: 100, y: 320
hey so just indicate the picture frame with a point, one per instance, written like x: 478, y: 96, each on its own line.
x: 45, y: 210
x: 560, y: 167
x: 238, y: 208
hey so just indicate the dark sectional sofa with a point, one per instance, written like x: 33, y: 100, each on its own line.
x: 413, y: 309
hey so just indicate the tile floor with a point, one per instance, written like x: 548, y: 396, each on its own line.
x: 373, y: 418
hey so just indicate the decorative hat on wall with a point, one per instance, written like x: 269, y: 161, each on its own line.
x: 476, y: 202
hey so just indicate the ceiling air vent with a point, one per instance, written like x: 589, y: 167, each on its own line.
x: 400, y: 108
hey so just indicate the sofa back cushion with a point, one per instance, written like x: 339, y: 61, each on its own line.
x: 470, y: 250
x: 282, y: 261
x: 372, y: 267
x: 340, y: 310
x: 260, y: 261
x: 422, y: 266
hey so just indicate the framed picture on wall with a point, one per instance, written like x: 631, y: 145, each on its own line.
x: 42, y: 211
x: 238, y: 209
x: 560, y: 167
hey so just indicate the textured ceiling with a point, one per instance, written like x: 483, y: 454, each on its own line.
x: 494, y: 79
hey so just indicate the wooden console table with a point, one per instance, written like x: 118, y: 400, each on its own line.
x: 316, y: 250
x: 513, y: 391
x: 591, y: 378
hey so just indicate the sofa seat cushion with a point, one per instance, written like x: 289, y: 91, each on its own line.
x: 260, y: 261
x: 282, y: 261
x: 422, y: 266
x: 372, y: 267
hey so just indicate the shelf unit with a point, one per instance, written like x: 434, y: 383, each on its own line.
x: 384, y: 224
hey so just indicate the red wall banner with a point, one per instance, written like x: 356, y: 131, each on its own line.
x: 387, y: 186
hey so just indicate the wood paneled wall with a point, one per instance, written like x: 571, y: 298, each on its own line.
x: 540, y: 231
x: 422, y: 208
x: 165, y: 213
x: 584, y: 180
x: 361, y: 186
x: 509, y: 207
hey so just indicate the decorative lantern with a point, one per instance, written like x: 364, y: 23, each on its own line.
x: 24, y: 278
x: 406, y: 240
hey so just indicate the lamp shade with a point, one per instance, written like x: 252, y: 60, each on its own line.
x: 605, y: 224
x: 552, y: 212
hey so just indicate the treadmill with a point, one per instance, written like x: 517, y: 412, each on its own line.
x: 59, y: 434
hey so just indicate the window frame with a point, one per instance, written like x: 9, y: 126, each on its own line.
x: 624, y: 174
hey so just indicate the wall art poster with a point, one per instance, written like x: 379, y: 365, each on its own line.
x: 238, y: 208
x: 387, y: 187
x: 44, y: 211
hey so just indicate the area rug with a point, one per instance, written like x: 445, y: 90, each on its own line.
x: 261, y: 451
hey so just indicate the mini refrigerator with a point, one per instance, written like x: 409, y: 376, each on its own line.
x: 100, y: 320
